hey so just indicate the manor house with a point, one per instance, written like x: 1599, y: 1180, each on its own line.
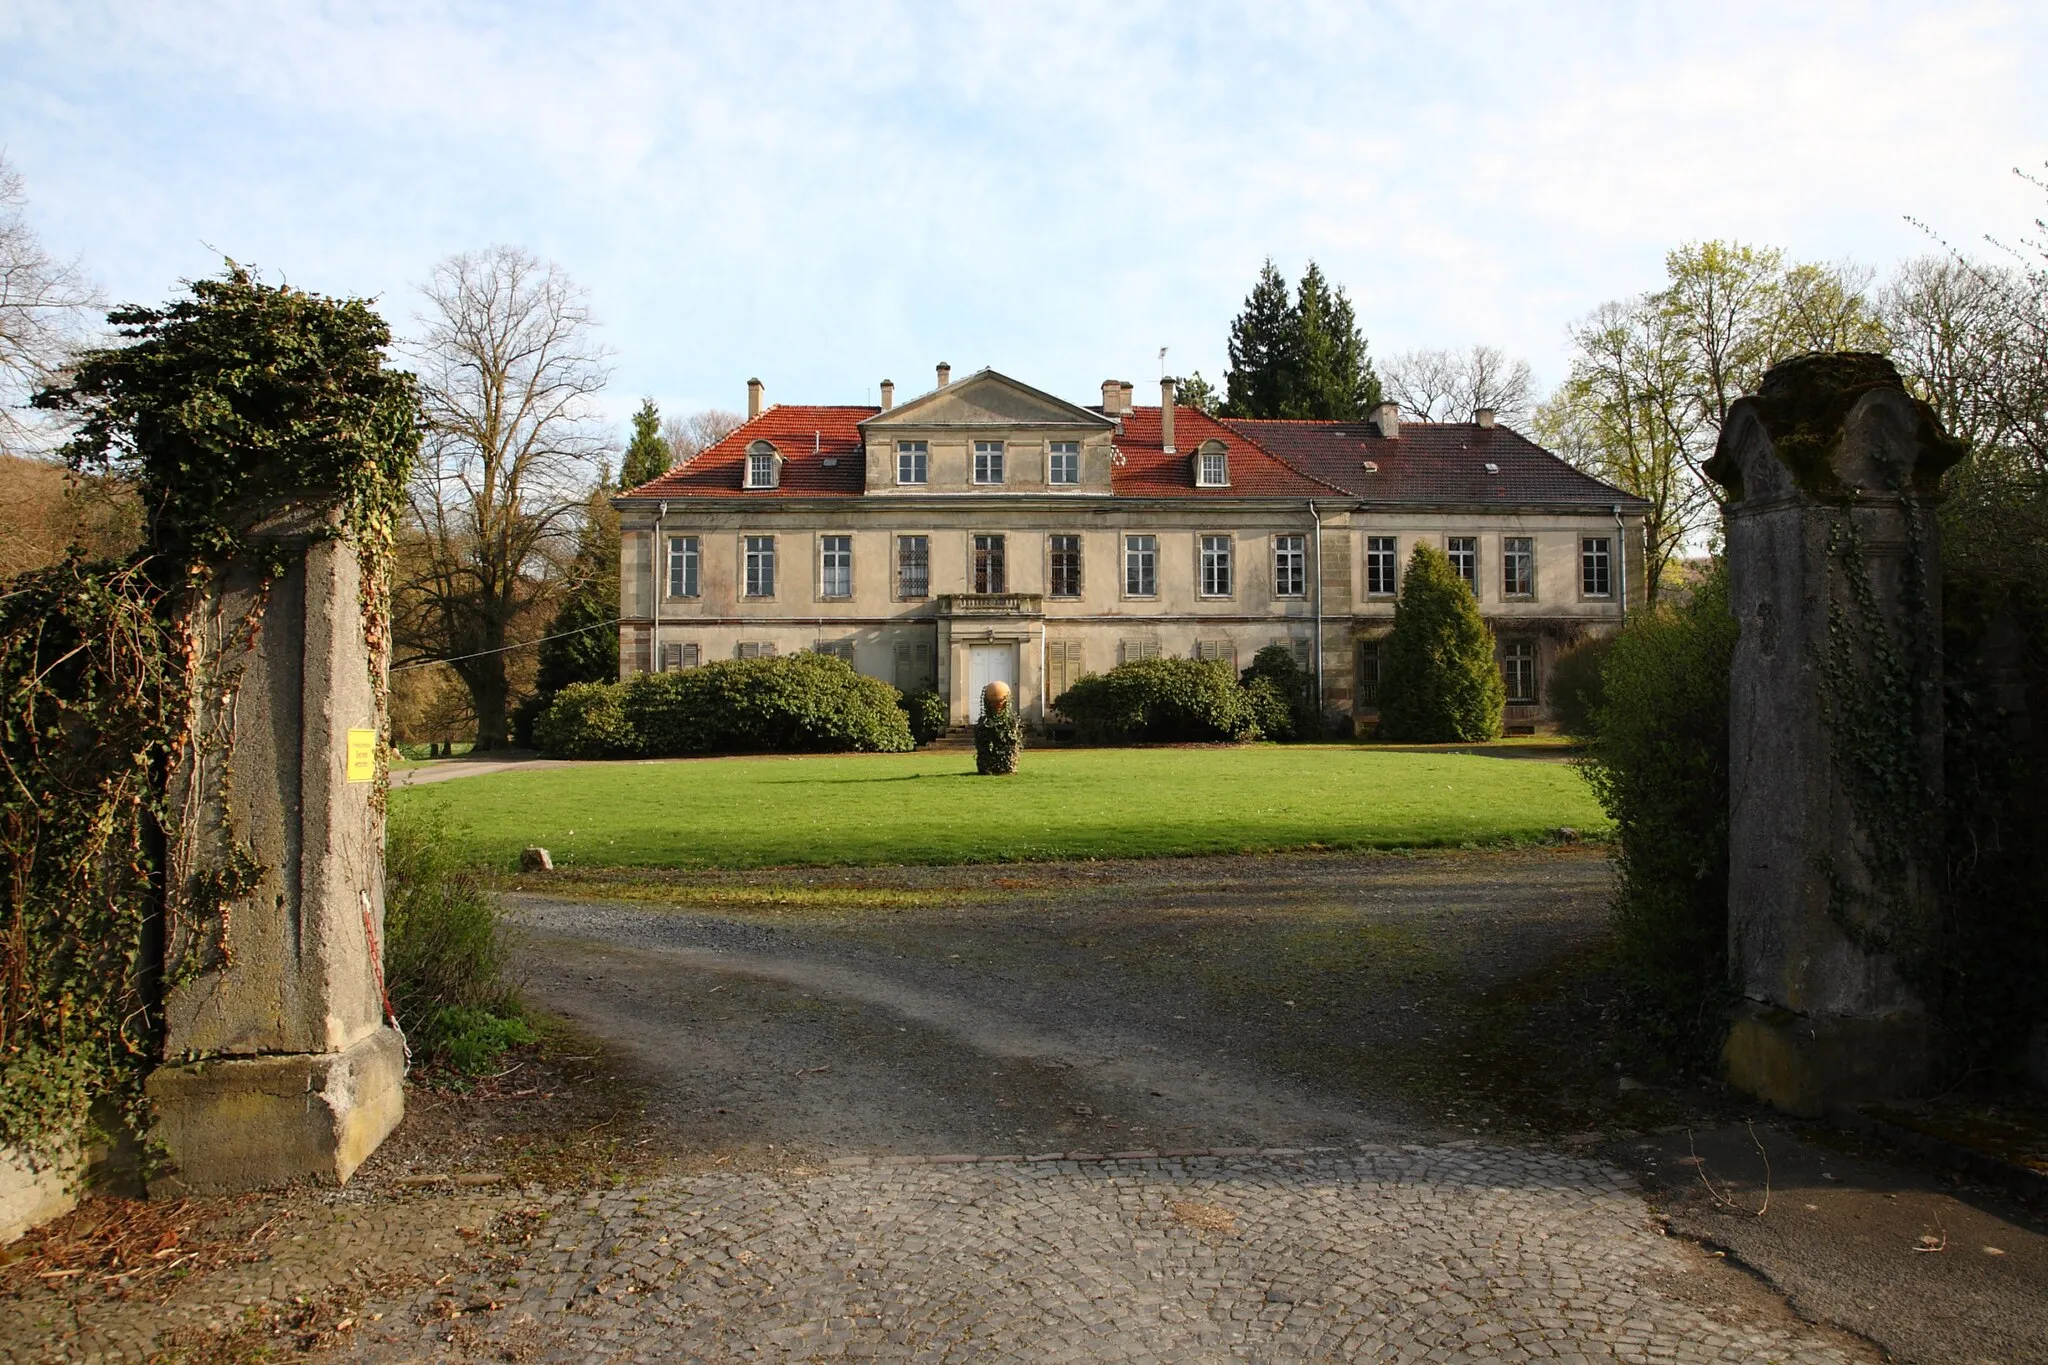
x: 987, y: 530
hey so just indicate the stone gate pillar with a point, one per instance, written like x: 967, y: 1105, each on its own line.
x: 278, y: 1062
x: 1831, y: 472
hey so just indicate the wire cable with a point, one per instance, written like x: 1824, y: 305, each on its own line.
x: 505, y: 649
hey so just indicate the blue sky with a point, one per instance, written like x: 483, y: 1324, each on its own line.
x: 828, y: 195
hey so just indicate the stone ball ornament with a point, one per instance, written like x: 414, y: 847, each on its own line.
x: 996, y: 696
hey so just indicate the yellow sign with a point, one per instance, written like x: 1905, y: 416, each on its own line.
x: 362, y: 755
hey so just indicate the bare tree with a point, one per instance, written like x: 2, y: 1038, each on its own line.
x: 1949, y: 320
x: 508, y: 372
x: 689, y: 437
x: 44, y: 304
x: 1443, y: 385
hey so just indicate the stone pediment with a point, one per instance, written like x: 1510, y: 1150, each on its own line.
x: 986, y: 399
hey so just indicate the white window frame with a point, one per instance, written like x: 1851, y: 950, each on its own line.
x: 1518, y: 658
x: 757, y: 558
x: 1513, y: 549
x: 1212, y: 468
x: 1390, y: 547
x: 1052, y: 584
x: 1290, y: 564
x: 827, y: 554
x: 913, y: 462
x: 1141, y: 565
x: 764, y: 466
x: 988, y: 462
x: 1466, y: 548
x: 1063, y: 463
x: 1215, y: 557
x: 924, y: 567
x: 1596, y: 556
x: 685, y: 561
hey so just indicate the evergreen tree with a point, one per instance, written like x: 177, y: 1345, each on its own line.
x: 586, y: 643
x: 1439, y: 683
x: 1197, y: 392
x: 648, y: 454
x: 1256, y: 379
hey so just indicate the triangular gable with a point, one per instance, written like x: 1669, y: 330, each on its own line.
x: 985, y: 399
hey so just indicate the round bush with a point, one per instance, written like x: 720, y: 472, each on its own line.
x: 586, y: 720
x: 1281, y: 694
x: 1159, y: 701
x: 801, y: 703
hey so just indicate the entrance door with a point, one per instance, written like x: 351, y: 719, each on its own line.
x: 987, y: 664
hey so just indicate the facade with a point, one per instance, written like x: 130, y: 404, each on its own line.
x: 987, y: 530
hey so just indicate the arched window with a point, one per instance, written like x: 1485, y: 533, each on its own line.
x: 1212, y: 465
x: 764, y: 466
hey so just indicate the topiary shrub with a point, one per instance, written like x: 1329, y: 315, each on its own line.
x: 1659, y: 766
x: 1576, y: 690
x: 929, y: 716
x: 586, y: 720
x: 1439, y: 683
x: 1159, y: 701
x: 1281, y: 694
x: 799, y: 703
x: 998, y: 735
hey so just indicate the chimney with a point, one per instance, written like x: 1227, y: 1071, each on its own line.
x: 1166, y: 414
x: 1111, y: 394
x: 888, y: 394
x: 1125, y: 395
x: 753, y: 399
x: 1485, y: 418
x: 945, y: 374
x: 1387, y: 416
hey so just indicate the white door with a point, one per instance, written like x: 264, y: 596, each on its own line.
x: 987, y: 664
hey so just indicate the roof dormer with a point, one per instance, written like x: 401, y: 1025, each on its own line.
x: 764, y: 466
x: 1211, y: 464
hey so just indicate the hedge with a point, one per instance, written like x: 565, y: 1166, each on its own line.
x: 1159, y: 701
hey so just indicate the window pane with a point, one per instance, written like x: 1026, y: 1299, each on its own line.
x: 760, y: 566
x: 1216, y: 566
x: 1464, y: 556
x: 835, y: 564
x: 1141, y: 564
x: 1215, y: 469
x: 1369, y: 673
x: 1518, y: 671
x: 682, y: 566
x: 912, y: 461
x: 1594, y: 567
x: 988, y: 461
x: 1066, y: 566
x: 989, y: 573
x: 1518, y: 566
x: 913, y: 566
x: 1290, y: 566
x: 1064, y: 462
x: 1379, y: 565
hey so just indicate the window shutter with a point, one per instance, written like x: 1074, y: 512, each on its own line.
x: 693, y: 655
x: 906, y: 680
x: 671, y: 657
x: 1301, y: 652
x: 1216, y: 651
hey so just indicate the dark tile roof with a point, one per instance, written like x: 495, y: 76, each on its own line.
x: 806, y: 437
x: 1431, y: 462
x: 1145, y: 470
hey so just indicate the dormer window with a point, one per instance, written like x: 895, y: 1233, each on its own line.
x: 764, y: 466
x: 1212, y: 465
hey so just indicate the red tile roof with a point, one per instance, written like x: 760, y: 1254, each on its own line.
x: 1431, y: 462
x: 1145, y: 470
x: 806, y: 438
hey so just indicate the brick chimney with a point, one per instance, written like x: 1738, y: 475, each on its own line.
x: 945, y: 374
x: 1166, y: 414
x: 1387, y: 417
x: 888, y: 394
x: 753, y: 399
x: 1112, y: 398
x: 1126, y: 395
x: 1484, y: 417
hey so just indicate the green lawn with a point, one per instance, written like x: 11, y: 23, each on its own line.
x: 1065, y: 803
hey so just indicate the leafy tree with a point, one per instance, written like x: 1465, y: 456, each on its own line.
x: 648, y: 454
x: 1304, y: 358
x: 1439, y: 682
x: 1282, y: 695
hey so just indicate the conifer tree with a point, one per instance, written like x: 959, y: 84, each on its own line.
x: 1256, y: 379
x: 1439, y: 683
x: 1299, y: 358
x: 584, y: 643
x: 648, y: 454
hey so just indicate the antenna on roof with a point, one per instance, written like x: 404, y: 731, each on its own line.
x: 1162, y: 362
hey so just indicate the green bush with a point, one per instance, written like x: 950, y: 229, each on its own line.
x: 929, y: 716
x: 800, y: 703
x: 1439, y: 683
x: 472, y: 1040
x: 1159, y: 701
x: 586, y: 720
x: 1281, y: 694
x: 1659, y: 765
x: 998, y: 740
x: 1576, y: 691
x: 444, y: 941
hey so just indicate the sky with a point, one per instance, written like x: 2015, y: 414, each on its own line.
x: 828, y: 195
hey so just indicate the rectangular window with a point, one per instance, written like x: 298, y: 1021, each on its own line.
x: 1380, y: 552
x: 1215, y: 566
x: 754, y: 649
x: 1517, y: 566
x: 760, y: 567
x: 1065, y: 576
x: 682, y: 566
x: 988, y: 461
x: 835, y: 566
x: 1518, y: 671
x: 914, y: 665
x: 1594, y: 567
x: 1368, y: 672
x: 1464, y: 555
x: 989, y: 575
x: 1063, y: 462
x: 913, y: 566
x: 1141, y: 566
x: 1290, y: 566
x: 913, y: 461
x: 1215, y: 469
x: 761, y: 469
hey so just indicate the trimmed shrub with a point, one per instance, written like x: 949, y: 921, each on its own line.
x: 444, y: 950
x: 586, y: 720
x: 998, y: 740
x: 802, y: 703
x: 1159, y: 701
x: 1659, y: 766
x: 1439, y: 683
x: 1281, y: 694
x: 1576, y: 690
x: 929, y: 717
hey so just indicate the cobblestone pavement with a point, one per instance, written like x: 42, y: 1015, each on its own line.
x: 1457, y: 1252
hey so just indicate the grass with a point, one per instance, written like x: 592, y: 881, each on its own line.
x: 1065, y: 803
